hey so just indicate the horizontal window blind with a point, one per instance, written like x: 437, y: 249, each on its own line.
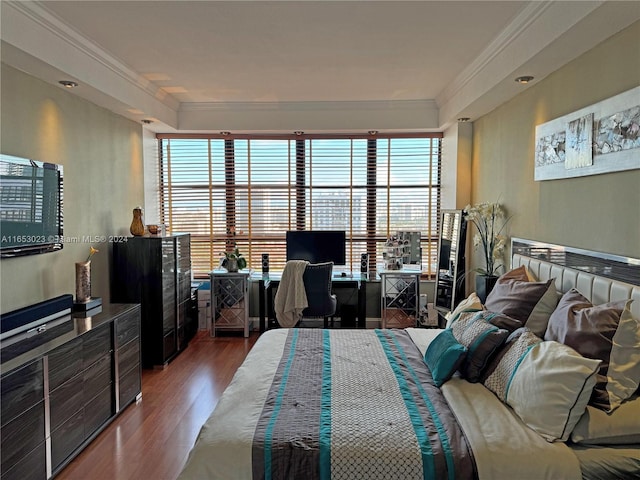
x: 247, y: 192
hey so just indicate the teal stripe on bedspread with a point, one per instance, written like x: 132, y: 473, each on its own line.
x: 325, y: 414
x: 278, y: 404
x: 429, y: 470
x: 411, y: 376
x: 288, y: 434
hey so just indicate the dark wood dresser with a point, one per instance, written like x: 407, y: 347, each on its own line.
x: 61, y: 387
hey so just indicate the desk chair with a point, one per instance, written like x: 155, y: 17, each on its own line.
x: 317, y: 285
x: 316, y: 279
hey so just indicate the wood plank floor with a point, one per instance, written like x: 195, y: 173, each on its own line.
x: 152, y: 439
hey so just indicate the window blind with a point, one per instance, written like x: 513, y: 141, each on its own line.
x: 248, y: 191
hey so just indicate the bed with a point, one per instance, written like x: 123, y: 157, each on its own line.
x: 475, y: 400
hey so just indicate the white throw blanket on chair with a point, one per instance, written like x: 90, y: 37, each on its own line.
x: 291, y: 298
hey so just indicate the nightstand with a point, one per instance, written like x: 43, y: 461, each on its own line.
x: 400, y: 296
x: 229, y: 301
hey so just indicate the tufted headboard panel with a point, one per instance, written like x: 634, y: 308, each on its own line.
x: 597, y: 288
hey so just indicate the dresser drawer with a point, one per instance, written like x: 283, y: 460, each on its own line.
x: 21, y: 435
x: 97, y: 378
x: 65, y: 362
x: 129, y: 356
x: 97, y: 411
x: 66, y: 438
x: 129, y: 386
x: 33, y: 466
x: 127, y: 328
x: 65, y: 401
x: 20, y: 390
x: 96, y: 344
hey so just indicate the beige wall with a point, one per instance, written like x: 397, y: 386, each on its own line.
x: 600, y: 212
x: 101, y: 153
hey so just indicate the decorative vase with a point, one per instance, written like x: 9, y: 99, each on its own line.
x: 231, y: 264
x: 137, y: 226
x: 83, y: 282
x: 484, y: 285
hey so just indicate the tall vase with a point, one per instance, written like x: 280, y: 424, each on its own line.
x: 137, y: 225
x: 83, y: 282
x: 484, y: 285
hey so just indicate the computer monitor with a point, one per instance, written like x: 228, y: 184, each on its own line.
x: 317, y: 246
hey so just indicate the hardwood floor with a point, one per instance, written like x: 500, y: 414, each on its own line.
x: 152, y: 439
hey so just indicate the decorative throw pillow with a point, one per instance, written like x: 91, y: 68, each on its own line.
x: 520, y: 273
x: 622, y: 427
x: 470, y: 304
x: 443, y: 356
x: 481, y: 338
x: 605, y: 332
x: 502, y: 321
x: 547, y: 384
x: 498, y: 373
x: 530, y: 302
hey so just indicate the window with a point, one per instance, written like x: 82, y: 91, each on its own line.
x: 250, y: 191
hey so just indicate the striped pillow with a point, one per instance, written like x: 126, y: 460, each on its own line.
x: 481, y: 338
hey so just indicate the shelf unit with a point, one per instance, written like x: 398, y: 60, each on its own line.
x: 229, y: 301
x: 400, y: 296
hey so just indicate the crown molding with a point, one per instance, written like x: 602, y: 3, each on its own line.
x: 520, y: 24
x: 309, y: 106
x: 518, y: 41
x: 37, y: 12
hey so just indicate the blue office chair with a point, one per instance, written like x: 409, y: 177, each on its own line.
x: 317, y: 285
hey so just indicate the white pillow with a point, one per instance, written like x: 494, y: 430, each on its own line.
x: 547, y: 384
x: 620, y: 427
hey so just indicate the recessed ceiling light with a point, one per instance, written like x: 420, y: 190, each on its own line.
x: 68, y: 83
x: 373, y: 132
x: 298, y: 132
x: 524, y: 79
x: 146, y: 121
x: 225, y: 133
x: 464, y: 119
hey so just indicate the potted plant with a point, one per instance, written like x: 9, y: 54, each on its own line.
x: 490, y: 220
x: 233, y: 259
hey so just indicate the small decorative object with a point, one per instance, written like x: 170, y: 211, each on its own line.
x: 83, y: 278
x: 490, y: 220
x: 232, y: 259
x: 137, y: 225
x: 153, y: 229
x: 392, y: 253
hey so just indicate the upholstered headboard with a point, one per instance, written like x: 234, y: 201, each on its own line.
x: 600, y: 277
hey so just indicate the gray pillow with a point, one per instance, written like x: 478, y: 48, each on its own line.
x: 530, y: 302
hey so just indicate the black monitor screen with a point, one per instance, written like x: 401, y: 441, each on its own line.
x: 317, y: 246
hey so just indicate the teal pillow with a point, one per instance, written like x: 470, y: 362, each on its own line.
x: 443, y: 356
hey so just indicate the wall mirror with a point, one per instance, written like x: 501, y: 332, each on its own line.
x: 450, y: 274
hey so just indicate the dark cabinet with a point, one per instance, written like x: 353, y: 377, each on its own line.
x: 56, y: 396
x: 156, y: 272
